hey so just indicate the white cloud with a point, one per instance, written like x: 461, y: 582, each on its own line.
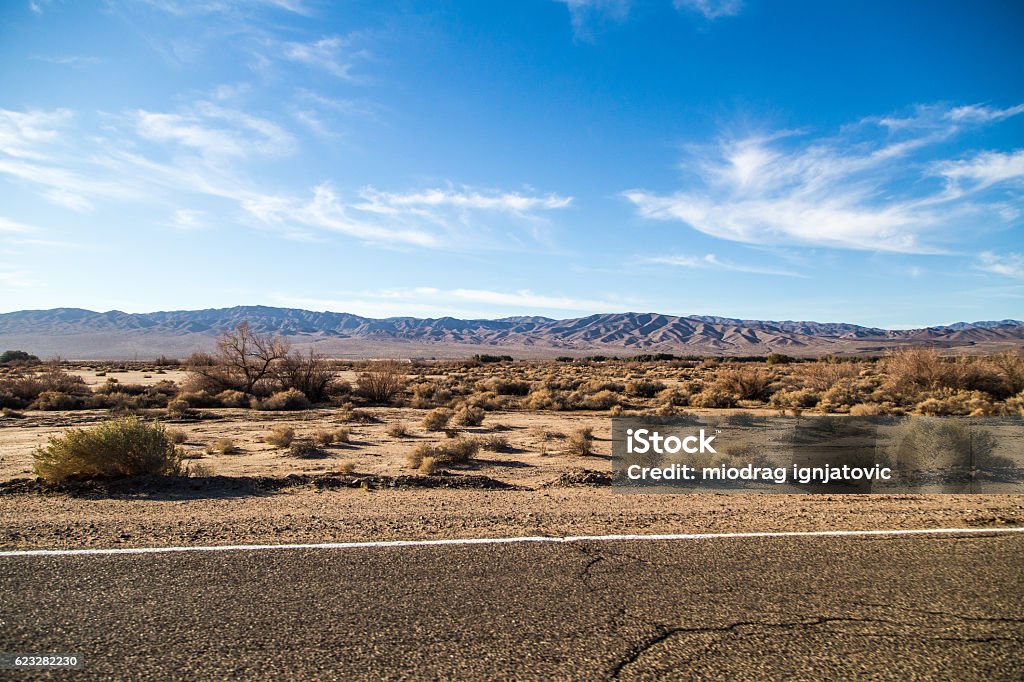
x: 465, y: 303
x: 844, y: 191
x: 1007, y: 264
x: 583, y: 13
x: 8, y: 225
x: 983, y: 169
x: 711, y: 9
x: 712, y: 262
x: 206, y: 149
x: 512, y: 202
x: 215, y: 131
x: 334, y: 55
x: 22, y: 133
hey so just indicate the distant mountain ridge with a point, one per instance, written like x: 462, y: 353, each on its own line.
x: 74, y: 332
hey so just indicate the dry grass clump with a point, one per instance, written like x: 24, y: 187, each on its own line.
x: 177, y: 436
x: 347, y: 467
x: 280, y: 436
x: 455, y: 451
x: 230, y: 398
x: 305, y: 449
x: 581, y: 442
x: 644, y: 388
x: 495, y: 443
x: 121, y: 447
x: 469, y: 415
x: 222, y: 446
x: 291, y: 399
x: 348, y: 413
x: 398, y: 430
x: 437, y: 419
x: 325, y: 437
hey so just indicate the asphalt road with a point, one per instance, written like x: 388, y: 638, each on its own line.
x: 943, y: 607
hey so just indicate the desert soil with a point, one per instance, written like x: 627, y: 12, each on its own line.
x: 548, y: 495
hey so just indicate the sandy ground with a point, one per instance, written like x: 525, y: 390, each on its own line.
x: 305, y: 513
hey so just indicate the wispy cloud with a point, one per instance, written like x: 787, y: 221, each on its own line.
x: 12, y: 226
x: 713, y: 262
x: 711, y: 9
x: 466, y: 303
x: 585, y: 13
x: 215, y: 131
x: 336, y: 55
x: 1007, y: 264
x: 873, y: 186
x: 204, y: 151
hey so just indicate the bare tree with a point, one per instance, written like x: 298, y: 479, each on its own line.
x: 243, y: 360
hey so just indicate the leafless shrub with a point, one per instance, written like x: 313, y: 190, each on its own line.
x: 382, y: 381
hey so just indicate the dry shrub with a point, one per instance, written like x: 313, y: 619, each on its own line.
x: 180, y: 409
x: 437, y: 419
x: 347, y: 413
x: 745, y: 383
x: 280, y: 436
x: 495, y: 443
x: 222, y: 446
x: 922, y: 443
x: 382, y: 382
x: 948, y: 402
x: 801, y: 398
x: 455, y: 451
x: 547, y: 434
x: 602, y: 400
x: 823, y: 374
x: 305, y: 449
x: 292, y: 399
x: 428, y: 466
x: 581, y: 441
x: 713, y: 396
x: 546, y: 399
x: 469, y: 415
x: 55, y: 400
x: 844, y: 394
x: 428, y: 395
x: 347, y: 467
x: 177, y: 436
x: 232, y: 398
x: 398, y: 430
x: 644, y: 388
x: 311, y: 374
x: 503, y: 387
x: 869, y: 410
x: 121, y: 447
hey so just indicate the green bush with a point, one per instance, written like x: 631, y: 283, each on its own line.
x: 122, y: 447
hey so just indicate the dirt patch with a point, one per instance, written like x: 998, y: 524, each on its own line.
x: 575, y: 478
x: 226, y: 486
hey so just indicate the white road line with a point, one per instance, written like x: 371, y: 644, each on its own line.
x: 508, y: 541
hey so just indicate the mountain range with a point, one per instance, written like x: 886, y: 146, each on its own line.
x: 83, y: 334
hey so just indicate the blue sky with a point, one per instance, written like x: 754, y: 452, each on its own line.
x: 860, y: 162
